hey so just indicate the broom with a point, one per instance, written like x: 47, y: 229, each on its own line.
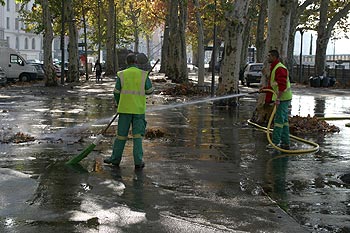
x: 142, y: 59
x: 90, y: 148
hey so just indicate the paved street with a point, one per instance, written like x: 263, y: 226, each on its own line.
x: 209, y: 172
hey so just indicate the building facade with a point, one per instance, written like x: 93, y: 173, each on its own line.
x: 13, y: 34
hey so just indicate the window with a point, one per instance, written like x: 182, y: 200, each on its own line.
x: 8, y: 5
x: 26, y: 43
x: 17, y: 43
x: 33, y: 43
x: 8, y: 41
x: 17, y: 7
x: 16, y: 59
x: 256, y: 68
x: 7, y: 22
x: 16, y: 24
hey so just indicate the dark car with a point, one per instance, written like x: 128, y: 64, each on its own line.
x: 3, y: 79
x: 40, y: 70
x: 253, y: 73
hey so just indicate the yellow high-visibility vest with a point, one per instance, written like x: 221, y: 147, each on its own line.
x: 132, y: 95
x: 287, y: 94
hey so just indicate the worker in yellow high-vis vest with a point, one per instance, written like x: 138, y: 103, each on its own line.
x: 131, y: 87
x: 279, y: 82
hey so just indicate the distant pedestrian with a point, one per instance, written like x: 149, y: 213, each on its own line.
x: 279, y: 82
x: 98, y: 70
x: 131, y: 87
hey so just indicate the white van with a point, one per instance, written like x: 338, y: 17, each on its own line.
x: 15, y: 66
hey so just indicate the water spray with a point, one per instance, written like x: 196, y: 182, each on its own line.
x: 205, y: 100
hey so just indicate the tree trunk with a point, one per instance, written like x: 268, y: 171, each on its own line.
x: 324, y: 31
x: 165, y: 45
x: 297, y: 11
x: 289, y: 62
x: 136, y: 35
x: 183, y: 46
x: 260, y: 31
x: 200, y: 44
x: 50, y: 75
x: 277, y: 38
x: 177, y: 61
x: 110, y: 39
x: 236, y: 18
x: 73, y: 66
x: 148, y: 43
x: 133, y: 14
x: 246, y: 34
x: 134, y: 19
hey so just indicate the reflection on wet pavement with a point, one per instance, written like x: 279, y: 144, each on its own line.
x: 209, y: 173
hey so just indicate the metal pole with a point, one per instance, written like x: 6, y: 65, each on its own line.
x: 301, y: 55
x: 62, y: 43
x: 115, y: 40
x: 334, y: 52
x: 213, y: 54
x: 99, y: 30
x: 85, y: 39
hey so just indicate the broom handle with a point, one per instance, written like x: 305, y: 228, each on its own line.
x: 154, y: 66
x: 104, y: 131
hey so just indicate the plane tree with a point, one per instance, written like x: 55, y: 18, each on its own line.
x: 331, y: 13
x: 329, y: 18
x: 235, y: 20
x: 278, y: 29
x: 40, y: 20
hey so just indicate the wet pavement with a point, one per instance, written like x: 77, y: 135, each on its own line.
x: 209, y: 173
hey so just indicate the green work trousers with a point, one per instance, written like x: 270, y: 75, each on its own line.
x: 281, y: 125
x: 138, y: 123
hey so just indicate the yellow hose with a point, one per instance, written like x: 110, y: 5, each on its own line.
x: 335, y: 118
x: 268, y: 129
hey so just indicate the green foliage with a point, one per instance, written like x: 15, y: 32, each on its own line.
x: 310, y: 17
x: 32, y: 19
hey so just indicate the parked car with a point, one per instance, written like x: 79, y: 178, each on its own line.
x: 3, y: 79
x: 57, y: 70
x: 40, y: 70
x: 253, y: 73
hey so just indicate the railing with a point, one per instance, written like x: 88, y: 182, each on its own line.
x: 342, y: 75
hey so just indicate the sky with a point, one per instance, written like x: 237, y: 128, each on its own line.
x: 342, y: 46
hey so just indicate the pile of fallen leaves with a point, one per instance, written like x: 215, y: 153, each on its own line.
x: 19, y: 138
x: 159, y: 80
x: 298, y: 124
x: 183, y: 89
x: 154, y: 133
x: 151, y: 133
